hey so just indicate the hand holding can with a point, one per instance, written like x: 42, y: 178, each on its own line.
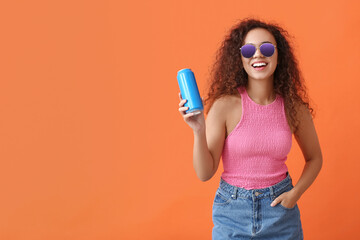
x: 195, y: 121
x: 189, y: 91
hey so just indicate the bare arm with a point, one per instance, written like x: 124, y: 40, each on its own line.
x: 209, y: 142
x: 309, y: 144
x: 209, y: 137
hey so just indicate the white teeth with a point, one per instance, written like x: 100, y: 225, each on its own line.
x: 259, y: 64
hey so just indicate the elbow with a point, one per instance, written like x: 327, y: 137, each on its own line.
x: 320, y: 162
x: 204, y: 177
x: 316, y: 161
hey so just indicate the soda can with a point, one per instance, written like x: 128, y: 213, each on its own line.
x: 189, y: 90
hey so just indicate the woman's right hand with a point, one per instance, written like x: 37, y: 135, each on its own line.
x: 195, y: 121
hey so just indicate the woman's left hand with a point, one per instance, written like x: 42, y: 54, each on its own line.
x: 287, y: 199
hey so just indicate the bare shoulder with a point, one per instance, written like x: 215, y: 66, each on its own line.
x: 303, y: 115
x: 225, y: 104
x: 216, y: 128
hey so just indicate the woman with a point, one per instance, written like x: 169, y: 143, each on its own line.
x: 257, y: 100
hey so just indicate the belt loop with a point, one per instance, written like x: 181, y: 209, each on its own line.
x: 234, y: 195
x: 272, y: 195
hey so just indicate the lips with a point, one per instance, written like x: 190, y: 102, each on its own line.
x: 259, y: 66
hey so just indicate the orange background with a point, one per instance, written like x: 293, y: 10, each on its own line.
x: 92, y: 145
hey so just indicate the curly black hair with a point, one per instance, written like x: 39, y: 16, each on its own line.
x: 228, y: 72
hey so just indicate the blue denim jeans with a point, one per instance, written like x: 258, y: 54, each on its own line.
x: 246, y: 214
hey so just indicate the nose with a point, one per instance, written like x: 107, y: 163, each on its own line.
x: 257, y: 53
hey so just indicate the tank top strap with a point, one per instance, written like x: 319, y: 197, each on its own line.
x: 242, y: 92
x: 244, y: 99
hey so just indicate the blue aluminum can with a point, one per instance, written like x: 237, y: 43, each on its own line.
x: 189, y: 90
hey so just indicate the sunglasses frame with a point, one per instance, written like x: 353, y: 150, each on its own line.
x: 256, y: 48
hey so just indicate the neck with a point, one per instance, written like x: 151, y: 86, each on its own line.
x: 261, y: 91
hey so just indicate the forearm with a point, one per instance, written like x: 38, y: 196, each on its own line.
x: 202, y: 160
x: 311, y: 170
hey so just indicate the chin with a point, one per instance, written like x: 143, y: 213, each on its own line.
x: 260, y: 76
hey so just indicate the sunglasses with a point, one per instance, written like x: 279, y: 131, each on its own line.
x: 266, y: 49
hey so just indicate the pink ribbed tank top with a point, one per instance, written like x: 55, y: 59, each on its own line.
x: 255, y: 152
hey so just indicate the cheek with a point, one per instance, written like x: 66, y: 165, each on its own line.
x: 276, y: 58
x: 245, y: 63
x: 274, y: 62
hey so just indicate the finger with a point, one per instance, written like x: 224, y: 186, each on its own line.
x: 188, y: 115
x: 180, y: 96
x: 182, y: 102
x: 275, y: 202
x: 183, y: 109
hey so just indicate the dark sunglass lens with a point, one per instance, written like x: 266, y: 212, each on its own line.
x: 267, y: 49
x: 248, y: 50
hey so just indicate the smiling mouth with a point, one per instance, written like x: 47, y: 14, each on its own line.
x: 259, y: 65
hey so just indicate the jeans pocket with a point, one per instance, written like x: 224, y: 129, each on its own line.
x: 287, y: 209
x: 222, y: 197
x: 286, y: 189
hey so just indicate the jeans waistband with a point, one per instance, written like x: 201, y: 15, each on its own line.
x: 256, y: 193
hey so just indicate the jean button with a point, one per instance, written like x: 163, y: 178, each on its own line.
x: 257, y: 193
